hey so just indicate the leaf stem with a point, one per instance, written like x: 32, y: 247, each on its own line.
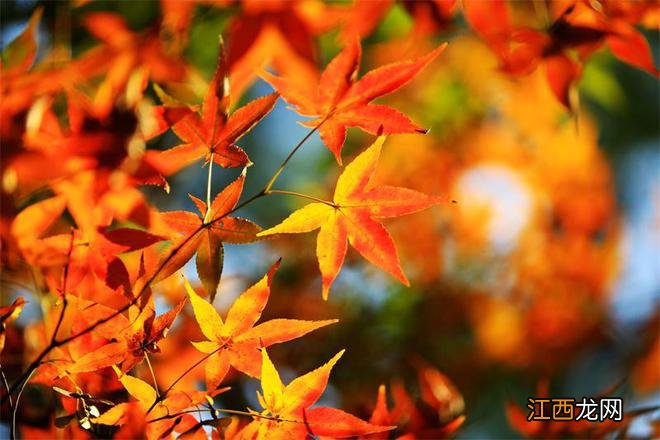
x: 151, y: 370
x: 208, y: 190
x: 297, y: 194
x: 161, y: 397
x: 284, y: 163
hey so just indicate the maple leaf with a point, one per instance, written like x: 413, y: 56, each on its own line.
x: 7, y: 315
x: 286, y: 408
x: 94, y: 250
x: 362, y: 17
x: 440, y: 393
x: 212, y: 228
x: 491, y: 21
x: 86, y: 142
x: 290, y: 20
x: 135, y: 335
x: 124, y: 51
x: 153, y: 415
x: 90, y: 352
x: 210, y: 134
x: 352, y: 217
x: 430, y: 17
x: 236, y: 341
x: 625, y: 41
x: 124, y: 340
x: 19, y: 55
x: 580, y: 26
x: 439, y: 414
x: 273, y: 33
x: 411, y: 420
x: 404, y: 414
x: 337, y: 100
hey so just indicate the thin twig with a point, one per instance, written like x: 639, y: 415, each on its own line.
x: 175, y: 415
x: 65, y: 277
x: 226, y: 411
x: 6, y: 384
x: 18, y: 398
x: 151, y: 370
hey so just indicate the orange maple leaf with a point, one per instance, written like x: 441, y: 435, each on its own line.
x: 7, y: 315
x: 352, y: 217
x: 126, y: 340
x: 210, y: 134
x: 286, y: 413
x: 362, y: 17
x: 123, y: 52
x: 210, y: 230
x: 337, y: 100
x: 273, y: 33
x: 412, y: 421
x: 135, y: 335
x: 236, y: 341
x: 579, y: 27
x: 153, y: 412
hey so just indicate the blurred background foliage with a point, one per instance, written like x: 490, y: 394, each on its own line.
x: 546, y: 268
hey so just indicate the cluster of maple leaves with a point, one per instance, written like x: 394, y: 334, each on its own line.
x: 560, y: 39
x: 75, y: 136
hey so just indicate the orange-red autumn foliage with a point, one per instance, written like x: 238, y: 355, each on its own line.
x: 115, y: 341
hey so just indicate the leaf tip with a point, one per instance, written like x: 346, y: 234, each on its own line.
x: 189, y: 289
x: 117, y: 371
x: 378, y: 143
x: 273, y: 269
x: 438, y: 50
x: 437, y: 200
x: 325, y: 292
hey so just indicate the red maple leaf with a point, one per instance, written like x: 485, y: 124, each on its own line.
x: 212, y: 133
x: 337, y: 99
